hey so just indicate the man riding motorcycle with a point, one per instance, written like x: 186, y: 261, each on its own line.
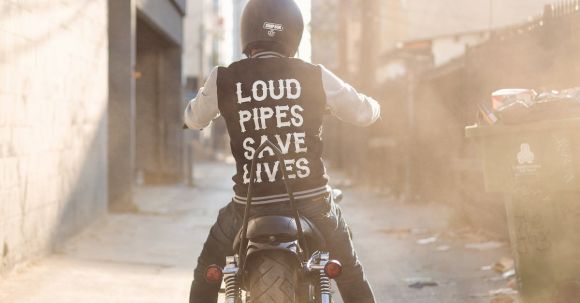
x: 271, y: 96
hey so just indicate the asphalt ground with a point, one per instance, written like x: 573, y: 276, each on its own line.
x: 149, y: 256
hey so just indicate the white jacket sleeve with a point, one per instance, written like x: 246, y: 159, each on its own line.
x: 204, y: 107
x: 346, y: 103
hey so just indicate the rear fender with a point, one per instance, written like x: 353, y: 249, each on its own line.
x: 289, y: 248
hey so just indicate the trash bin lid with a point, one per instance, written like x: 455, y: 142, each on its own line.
x: 476, y: 131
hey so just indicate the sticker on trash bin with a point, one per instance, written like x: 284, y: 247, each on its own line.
x: 526, y: 156
x: 526, y: 159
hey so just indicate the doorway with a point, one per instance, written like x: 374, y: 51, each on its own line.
x: 158, y: 158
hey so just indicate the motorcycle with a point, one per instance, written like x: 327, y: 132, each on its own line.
x: 281, y: 258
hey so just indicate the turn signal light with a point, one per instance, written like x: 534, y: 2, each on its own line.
x: 333, y: 269
x: 213, y: 274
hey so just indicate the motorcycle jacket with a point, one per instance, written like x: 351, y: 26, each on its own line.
x: 283, y: 100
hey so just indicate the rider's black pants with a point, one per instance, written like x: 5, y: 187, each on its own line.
x: 325, y: 214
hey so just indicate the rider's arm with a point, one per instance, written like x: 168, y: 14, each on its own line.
x: 346, y: 103
x: 204, y: 107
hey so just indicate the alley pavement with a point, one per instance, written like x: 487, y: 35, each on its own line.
x: 409, y: 251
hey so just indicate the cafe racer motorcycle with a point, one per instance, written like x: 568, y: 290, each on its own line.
x: 280, y: 258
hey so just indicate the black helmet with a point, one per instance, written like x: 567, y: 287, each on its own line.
x: 273, y: 25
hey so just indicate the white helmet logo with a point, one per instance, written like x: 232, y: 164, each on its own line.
x: 526, y: 156
x: 272, y: 28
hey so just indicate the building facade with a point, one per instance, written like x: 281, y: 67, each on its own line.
x: 53, y: 123
x: 90, y: 102
x: 145, y: 96
x: 404, y: 20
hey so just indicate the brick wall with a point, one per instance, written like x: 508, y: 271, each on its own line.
x: 53, y: 142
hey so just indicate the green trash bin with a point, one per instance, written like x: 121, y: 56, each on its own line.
x: 537, y: 166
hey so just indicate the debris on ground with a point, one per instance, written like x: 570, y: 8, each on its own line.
x: 443, y: 248
x: 484, y: 245
x: 421, y: 285
x: 427, y: 240
x: 421, y: 282
x: 486, y: 268
x: 414, y: 280
x: 509, y: 274
x: 504, y: 265
x: 503, y: 291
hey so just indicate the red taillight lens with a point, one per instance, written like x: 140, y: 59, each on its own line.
x: 213, y: 274
x: 333, y: 269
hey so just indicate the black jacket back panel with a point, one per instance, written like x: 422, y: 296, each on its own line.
x: 281, y: 100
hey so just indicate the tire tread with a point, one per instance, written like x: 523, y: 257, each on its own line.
x: 272, y: 279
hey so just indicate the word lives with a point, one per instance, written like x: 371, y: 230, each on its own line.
x: 283, y: 115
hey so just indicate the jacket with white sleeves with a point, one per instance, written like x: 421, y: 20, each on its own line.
x: 283, y: 100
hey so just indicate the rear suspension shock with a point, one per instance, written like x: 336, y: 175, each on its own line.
x: 324, y: 287
x: 233, y: 292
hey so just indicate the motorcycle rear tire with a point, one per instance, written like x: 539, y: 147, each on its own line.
x: 273, y: 277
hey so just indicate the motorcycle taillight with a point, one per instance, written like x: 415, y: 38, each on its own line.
x: 333, y: 269
x: 213, y: 274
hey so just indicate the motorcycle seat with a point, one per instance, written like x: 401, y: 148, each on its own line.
x: 283, y: 228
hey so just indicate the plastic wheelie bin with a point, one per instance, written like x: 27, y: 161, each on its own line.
x: 537, y: 166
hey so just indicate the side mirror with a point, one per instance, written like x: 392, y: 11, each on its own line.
x: 337, y: 195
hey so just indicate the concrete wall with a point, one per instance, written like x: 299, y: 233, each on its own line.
x: 404, y: 20
x: 53, y: 138
x: 122, y: 19
x: 165, y: 15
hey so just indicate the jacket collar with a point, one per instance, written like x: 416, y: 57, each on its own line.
x: 267, y: 55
